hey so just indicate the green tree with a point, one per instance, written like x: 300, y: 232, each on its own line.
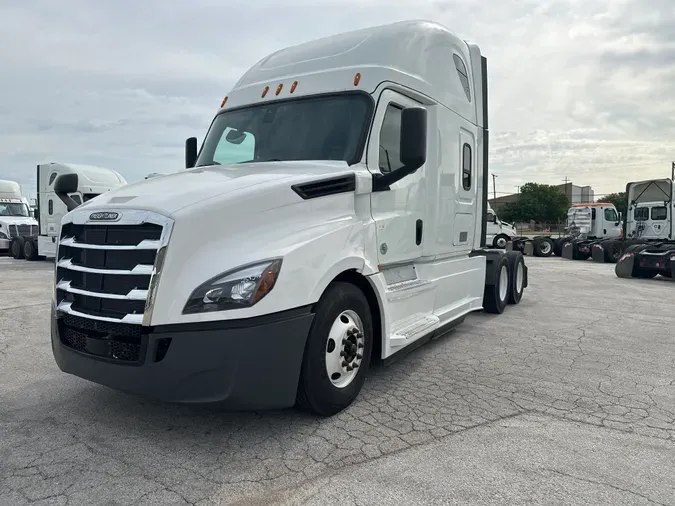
x: 618, y: 199
x: 538, y: 202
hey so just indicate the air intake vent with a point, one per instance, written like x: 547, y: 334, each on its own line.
x: 325, y: 187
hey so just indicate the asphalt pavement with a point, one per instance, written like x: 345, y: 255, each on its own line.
x: 566, y: 398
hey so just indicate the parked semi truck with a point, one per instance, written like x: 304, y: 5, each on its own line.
x: 498, y: 232
x: 649, y: 247
x: 648, y: 219
x: 587, y: 224
x: 15, y: 215
x: 40, y: 241
x: 317, y: 227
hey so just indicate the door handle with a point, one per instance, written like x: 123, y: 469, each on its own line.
x: 418, y: 232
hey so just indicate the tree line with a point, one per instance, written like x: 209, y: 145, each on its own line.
x: 547, y: 203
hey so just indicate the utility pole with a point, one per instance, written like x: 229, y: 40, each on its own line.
x: 518, y: 190
x: 494, y: 186
x: 672, y: 175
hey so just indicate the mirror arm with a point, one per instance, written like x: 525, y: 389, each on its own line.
x: 382, y: 182
x: 67, y: 200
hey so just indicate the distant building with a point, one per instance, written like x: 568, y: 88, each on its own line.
x: 575, y: 194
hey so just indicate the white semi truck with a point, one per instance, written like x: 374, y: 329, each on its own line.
x: 587, y: 225
x: 648, y: 249
x: 15, y: 215
x: 40, y: 241
x: 498, y: 232
x: 318, y: 226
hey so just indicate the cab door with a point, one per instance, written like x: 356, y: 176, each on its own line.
x: 611, y: 224
x: 398, y: 212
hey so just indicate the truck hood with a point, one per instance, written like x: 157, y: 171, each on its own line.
x: 169, y: 194
x: 18, y: 220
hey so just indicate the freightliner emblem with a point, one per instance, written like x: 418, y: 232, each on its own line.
x: 104, y: 216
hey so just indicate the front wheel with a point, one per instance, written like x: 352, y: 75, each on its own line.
x: 500, y: 241
x: 337, y: 353
x: 16, y: 247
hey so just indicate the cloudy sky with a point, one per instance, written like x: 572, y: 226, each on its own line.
x: 583, y: 90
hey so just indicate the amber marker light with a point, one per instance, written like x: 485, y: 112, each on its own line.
x: 357, y: 79
x: 265, y: 90
x: 293, y: 86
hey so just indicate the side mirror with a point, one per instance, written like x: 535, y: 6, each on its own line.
x: 190, y: 152
x: 494, y: 218
x: 63, y: 185
x: 412, y: 149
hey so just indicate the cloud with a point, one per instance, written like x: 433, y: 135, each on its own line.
x: 582, y: 90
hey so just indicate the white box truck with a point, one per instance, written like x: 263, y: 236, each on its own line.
x: 40, y: 241
x: 333, y: 215
x: 15, y: 215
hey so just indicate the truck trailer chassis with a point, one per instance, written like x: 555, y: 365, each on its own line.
x: 646, y: 261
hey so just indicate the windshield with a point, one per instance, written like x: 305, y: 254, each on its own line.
x: 14, y: 209
x: 329, y: 127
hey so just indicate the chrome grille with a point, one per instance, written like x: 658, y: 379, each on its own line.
x: 23, y: 230
x: 103, y: 271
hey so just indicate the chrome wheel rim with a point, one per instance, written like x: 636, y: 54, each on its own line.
x: 344, y: 349
x: 503, y: 283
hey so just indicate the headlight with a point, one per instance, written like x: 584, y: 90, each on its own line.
x: 238, y: 288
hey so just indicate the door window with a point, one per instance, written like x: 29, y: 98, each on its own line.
x: 390, y: 139
x: 610, y: 215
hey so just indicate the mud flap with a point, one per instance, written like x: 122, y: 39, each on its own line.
x: 598, y: 253
x: 509, y: 246
x: 624, y: 267
x: 568, y: 250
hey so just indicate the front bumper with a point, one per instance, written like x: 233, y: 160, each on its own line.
x: 242, y: 364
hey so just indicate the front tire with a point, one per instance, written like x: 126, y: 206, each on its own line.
x: 16, y: 248
x: 500, y: 241
x: 337, y: 353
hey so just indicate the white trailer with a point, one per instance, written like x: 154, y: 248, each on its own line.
x: 318, y: 226
x: 15, y: 216
x: 41, y: 241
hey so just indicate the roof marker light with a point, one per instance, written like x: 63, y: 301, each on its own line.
x: 357, y: 78
x: 293, y: 86
x: 265, y: 90
x: 279, y: 89
x: 223, y: 102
